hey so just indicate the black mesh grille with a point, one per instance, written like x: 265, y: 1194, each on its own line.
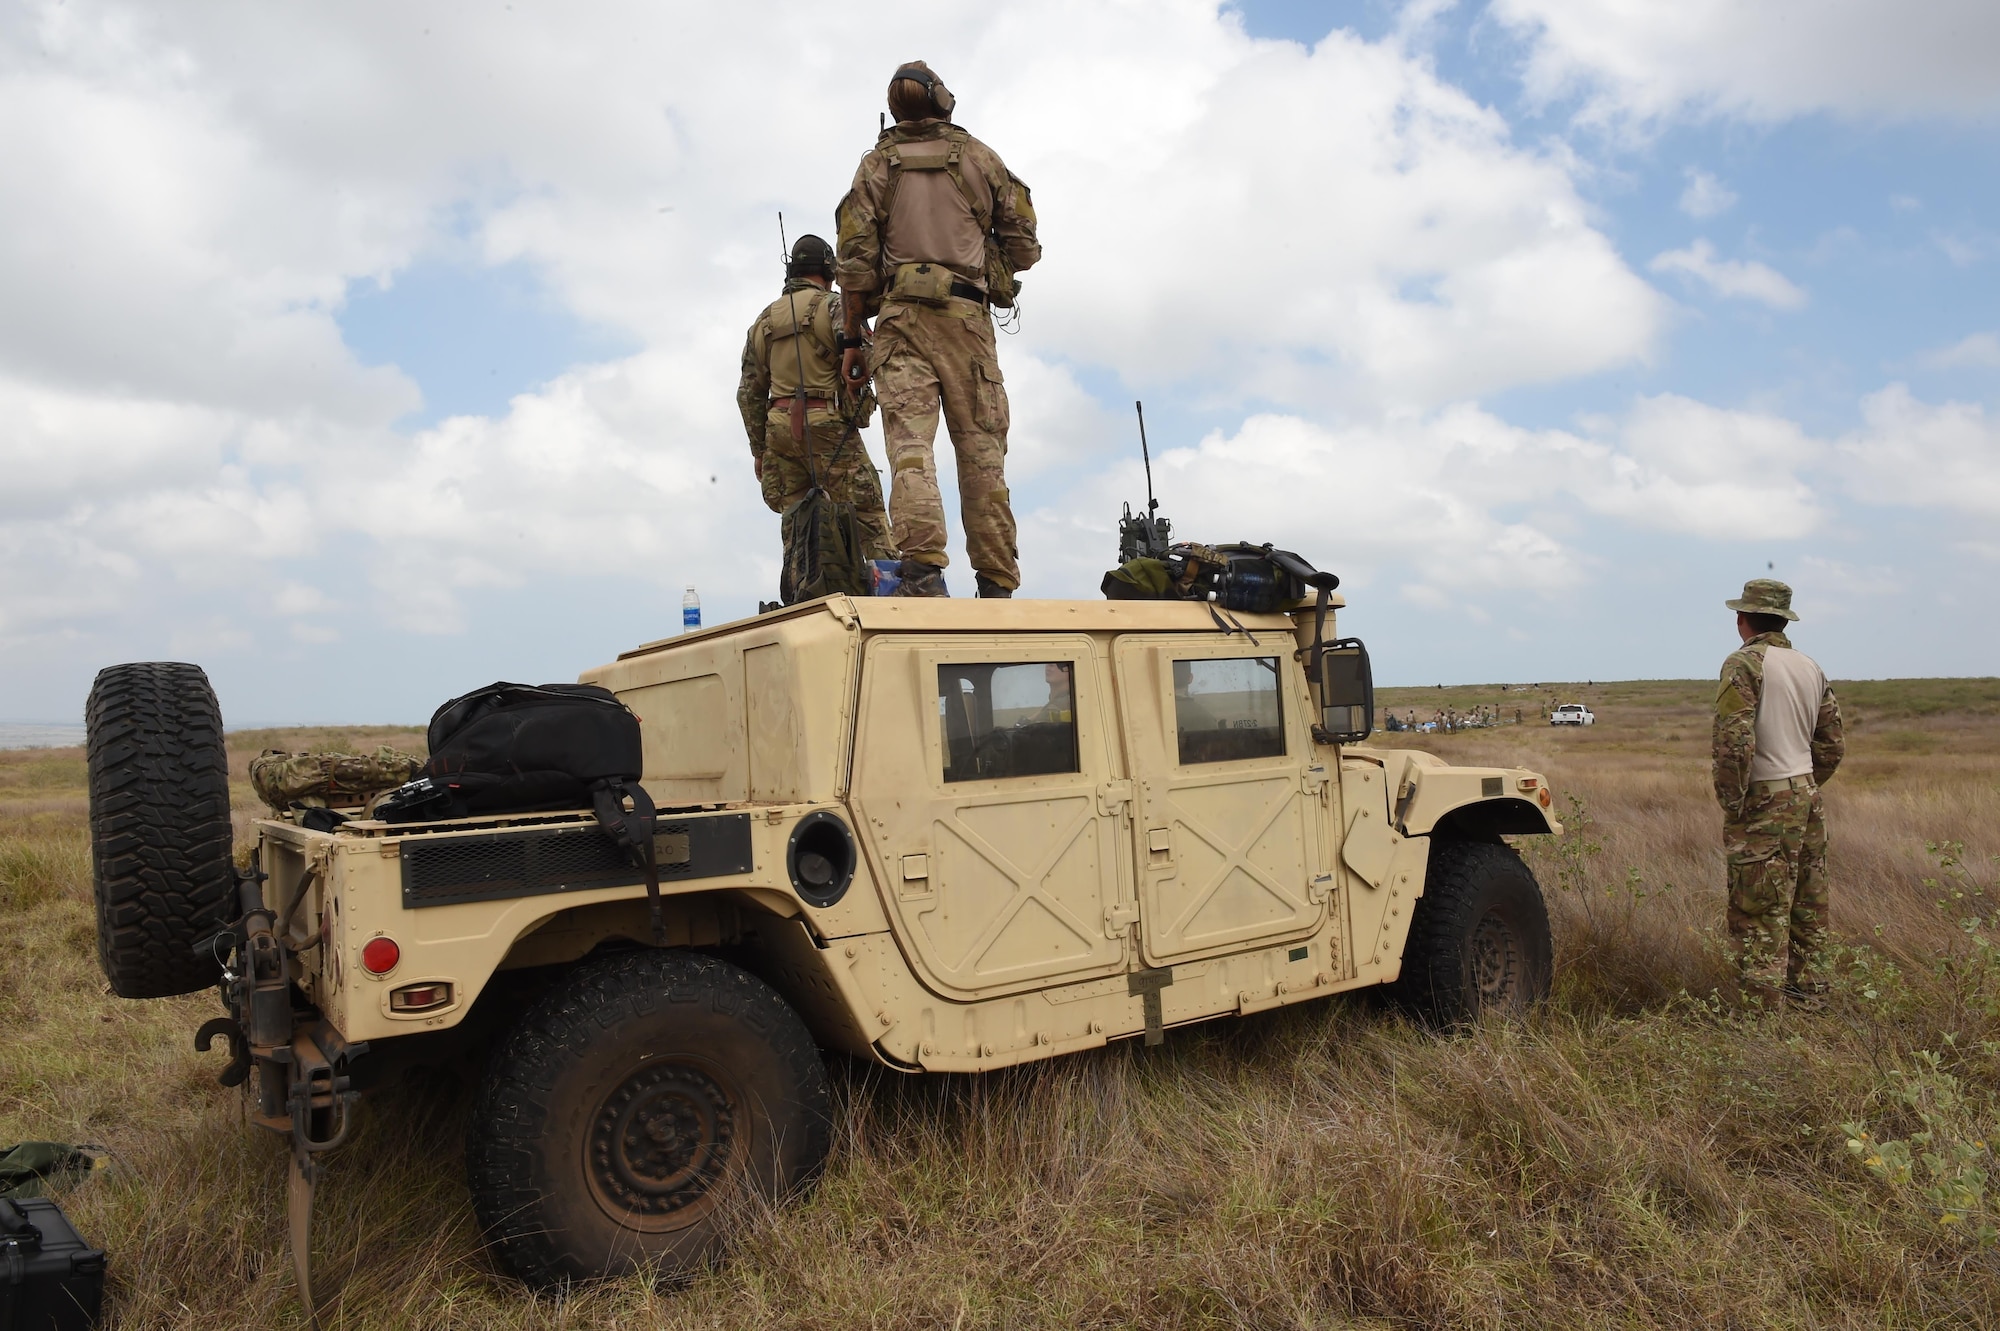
x: 497, y: 865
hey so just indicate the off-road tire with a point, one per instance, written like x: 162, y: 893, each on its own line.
x: 644, y: 1081
x: 1479, y: 936
x: 159, y: 826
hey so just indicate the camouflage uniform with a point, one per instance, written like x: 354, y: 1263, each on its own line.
x: 1774, y: 827
x: 771, y: 357
x: 914, y: 240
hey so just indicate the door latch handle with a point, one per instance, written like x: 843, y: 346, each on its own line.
x: 1113, y: 796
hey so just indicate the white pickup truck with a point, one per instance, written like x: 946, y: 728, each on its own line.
x: 1572, y: 714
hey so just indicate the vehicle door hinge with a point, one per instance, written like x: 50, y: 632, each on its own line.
x: 1113, y: 796
x: 1120, y: 916
x: 1319, y: 888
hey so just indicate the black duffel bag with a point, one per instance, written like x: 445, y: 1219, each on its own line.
x: 521, y: 748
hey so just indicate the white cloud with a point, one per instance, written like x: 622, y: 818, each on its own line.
x: 1639, y: 60
x: 1300, y: 226
x: 1333, y: 243
x: 1976, y: 351
x: 1705, y: 196
x: 1425, y: 496
x: 1934, y: 457
x: 1724, y: 474
x: 1744, y: 279
x: 1963, y: 247
x: 181, y: 406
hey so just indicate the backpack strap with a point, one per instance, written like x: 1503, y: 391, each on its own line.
x: 982, y: 209
x: 633, y: 833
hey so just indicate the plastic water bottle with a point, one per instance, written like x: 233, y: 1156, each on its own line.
x: 690, y: 612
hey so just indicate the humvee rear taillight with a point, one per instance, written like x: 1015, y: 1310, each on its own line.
x: 420, y: 997
x: 379, y: 955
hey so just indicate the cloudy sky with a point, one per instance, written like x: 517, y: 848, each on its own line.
x: 365, y: 353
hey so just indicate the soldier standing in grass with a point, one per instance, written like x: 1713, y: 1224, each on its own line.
x: 797, y: 331
x: 1777, y: 740
x: 931, y: 234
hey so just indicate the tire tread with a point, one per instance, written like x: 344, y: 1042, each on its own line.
x: 511, y: 1108
x: 1433, y: 979
x: 160, y: 834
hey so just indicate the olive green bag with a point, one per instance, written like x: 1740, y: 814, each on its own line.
x: 823, y: 546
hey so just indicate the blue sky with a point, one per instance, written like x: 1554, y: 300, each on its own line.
x: 364, y: 360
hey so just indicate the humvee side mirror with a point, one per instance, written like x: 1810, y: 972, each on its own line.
x: 1346, y: 693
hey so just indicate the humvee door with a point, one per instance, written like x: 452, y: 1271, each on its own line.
x: 978, y: 769
x: 1228, y: 814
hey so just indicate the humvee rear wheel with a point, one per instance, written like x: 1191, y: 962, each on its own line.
x: 633, y: 1113
x: 1479, y: 936
x: 159, y: 826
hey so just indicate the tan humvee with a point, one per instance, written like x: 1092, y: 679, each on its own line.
x: 944, y: 836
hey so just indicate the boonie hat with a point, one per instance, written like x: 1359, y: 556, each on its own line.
x: 1764, y: 596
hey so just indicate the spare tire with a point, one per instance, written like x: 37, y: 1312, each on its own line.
x: 159, y: 826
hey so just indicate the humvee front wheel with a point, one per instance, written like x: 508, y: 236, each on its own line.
x: 1479, y: 936
x: 634, y: 1110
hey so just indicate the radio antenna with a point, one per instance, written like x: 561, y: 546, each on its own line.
x: 1152, y: 504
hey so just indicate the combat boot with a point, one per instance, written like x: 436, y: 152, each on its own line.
x: 991, y: 590
x: 1807, y: 996
x: 916, y: 578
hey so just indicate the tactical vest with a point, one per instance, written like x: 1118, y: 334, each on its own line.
x: 945, y: 153
x: 809, y: 341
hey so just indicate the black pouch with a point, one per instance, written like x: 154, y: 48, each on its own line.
x: 50, y: 1279
x: 1258, y: 579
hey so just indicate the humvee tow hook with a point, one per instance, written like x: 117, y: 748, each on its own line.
x: 239, y: 1048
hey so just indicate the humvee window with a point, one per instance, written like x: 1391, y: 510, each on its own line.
x: 1016, y: 719
x: 1227, y: 709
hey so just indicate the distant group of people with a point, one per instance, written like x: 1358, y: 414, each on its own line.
x: 1448, y: 719
x: 932, y: 234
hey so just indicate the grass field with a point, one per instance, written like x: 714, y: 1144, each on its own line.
x: 1632, y: 1156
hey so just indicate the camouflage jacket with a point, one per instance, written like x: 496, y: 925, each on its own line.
x: 766, y: 376
x: 1735, y: 732
x: 942, y: 211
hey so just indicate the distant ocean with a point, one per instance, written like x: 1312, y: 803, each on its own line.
x: 40, y: 734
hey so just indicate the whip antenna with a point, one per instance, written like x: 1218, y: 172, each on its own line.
x: 1152, y: 504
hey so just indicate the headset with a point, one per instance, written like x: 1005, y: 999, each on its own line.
x: 817, y: 258
x: 941, y: 96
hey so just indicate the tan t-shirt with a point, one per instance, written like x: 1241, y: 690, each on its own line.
x: 1787, y: 711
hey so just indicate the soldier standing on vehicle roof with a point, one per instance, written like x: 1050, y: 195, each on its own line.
x: 1777, y: 740
x: 931, y: 234
x: 798, y: 329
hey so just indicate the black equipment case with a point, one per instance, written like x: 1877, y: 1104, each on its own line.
x: 50, y: 1279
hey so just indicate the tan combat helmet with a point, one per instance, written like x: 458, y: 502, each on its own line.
x: 1765, y: 596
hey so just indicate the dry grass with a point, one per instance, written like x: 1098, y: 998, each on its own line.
x: 1633, y: 1156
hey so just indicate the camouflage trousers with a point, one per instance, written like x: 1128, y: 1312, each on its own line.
x: 924, y: 356
x: 1778, y: 909
x: 845, y: 473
